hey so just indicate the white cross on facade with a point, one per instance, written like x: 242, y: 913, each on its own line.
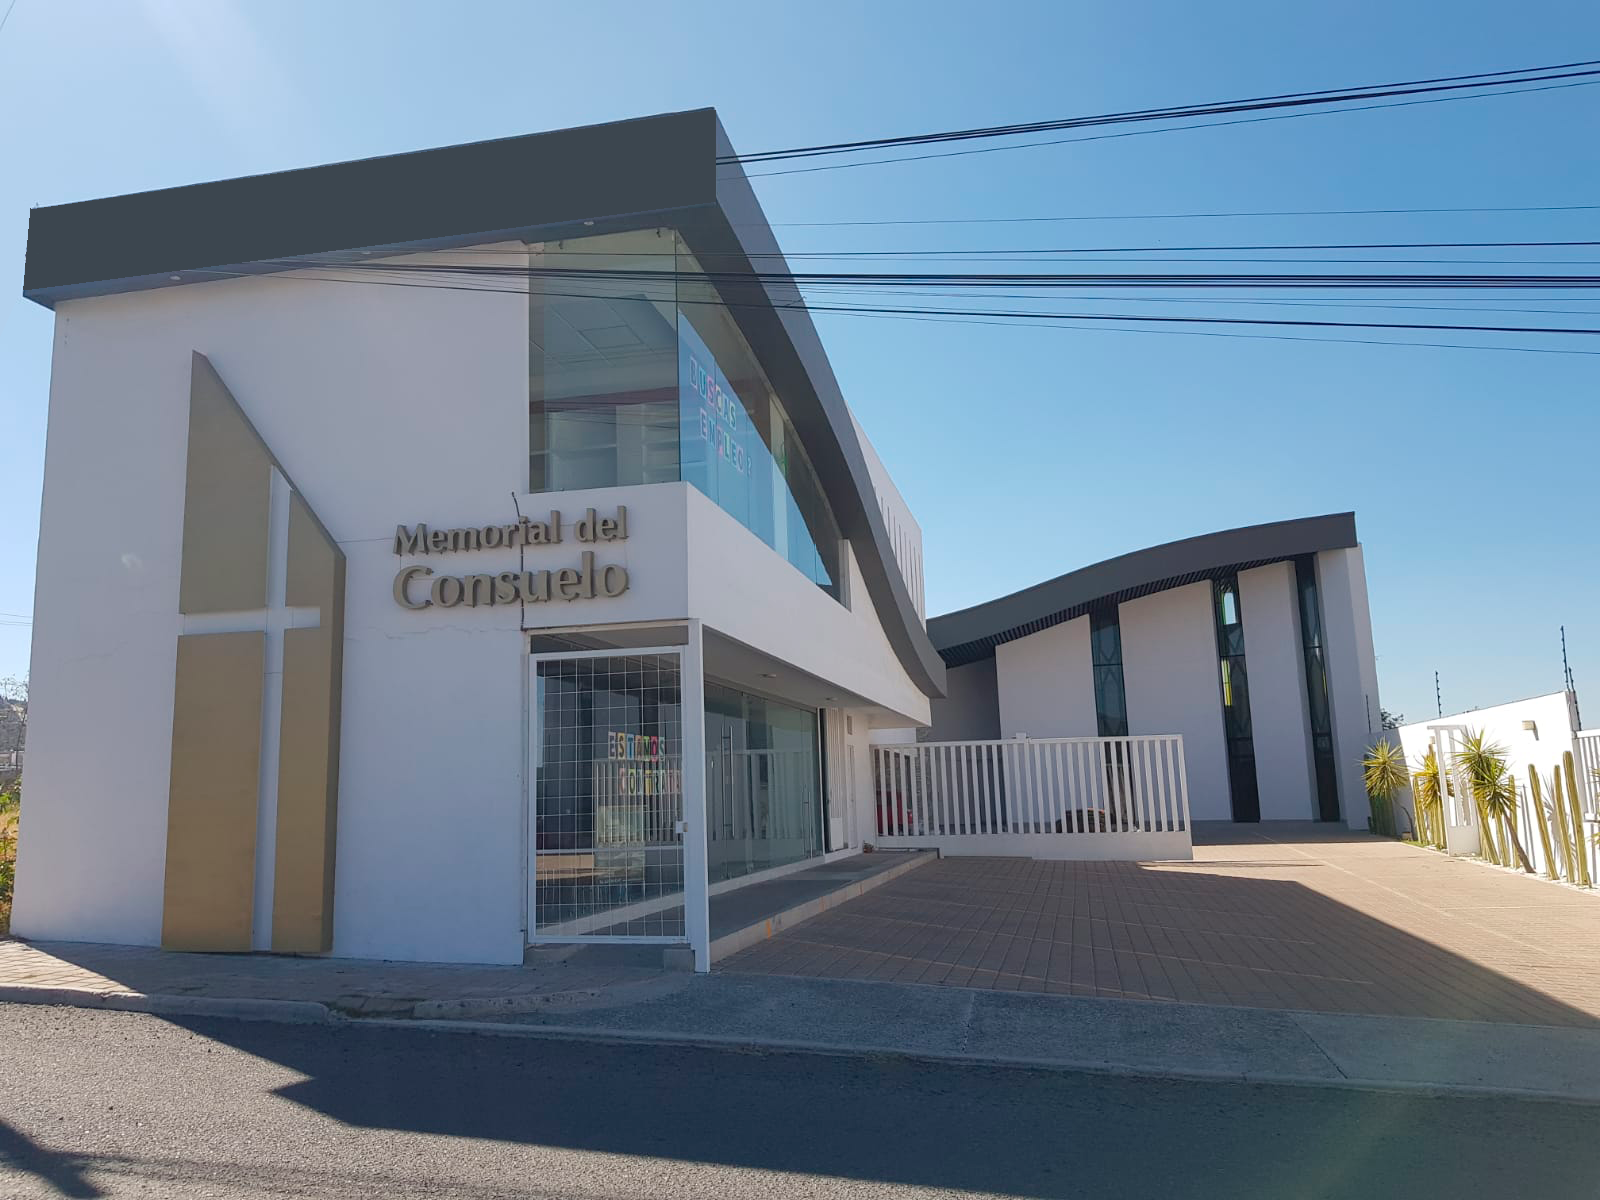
x: 272, y: 620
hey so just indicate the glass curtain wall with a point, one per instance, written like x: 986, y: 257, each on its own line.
x: 763, y: 783
x: 639, y: 374
x: 603, y: 361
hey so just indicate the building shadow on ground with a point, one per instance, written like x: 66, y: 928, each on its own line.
x: 999, y: 1131
x: 1207, y: 932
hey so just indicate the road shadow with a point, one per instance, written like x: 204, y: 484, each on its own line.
x: 20, y: 1153
x: 891, y: 1121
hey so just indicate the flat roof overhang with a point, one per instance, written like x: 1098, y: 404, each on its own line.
x: 538, y: 187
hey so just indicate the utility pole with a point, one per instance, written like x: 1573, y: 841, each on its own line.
x: 1438, y: 702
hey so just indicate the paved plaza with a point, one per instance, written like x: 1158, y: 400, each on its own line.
x: 1270, y: 916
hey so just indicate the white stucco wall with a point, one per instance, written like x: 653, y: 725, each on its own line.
x: 1171, y: 672
x: 1275, y: 665
x: 1352, y: 673
x: 1045, y: 683
x: 385, y: 405
x: 1555, y: 721
x: 970, y: 710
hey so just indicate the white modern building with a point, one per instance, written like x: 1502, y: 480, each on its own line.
x: 462, y: 550
x: 1255, y: 644
x: 410, y: 526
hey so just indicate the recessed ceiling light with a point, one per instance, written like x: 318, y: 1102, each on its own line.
x: 175, y: 278
x: 768, y: 675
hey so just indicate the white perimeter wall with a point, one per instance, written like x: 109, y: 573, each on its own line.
x: 1554, y: 722
x: 1045, y: 683
x: 1173, y: 678
x: 385, y: 405
x: 1275, y: 666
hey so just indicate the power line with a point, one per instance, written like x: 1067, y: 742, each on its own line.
x: 996, y: 316
x: 1001, y: 250
x: 1188, y: 216
x: 1339, y: 95
x: 1103, y: 137
x: 1032, y: 280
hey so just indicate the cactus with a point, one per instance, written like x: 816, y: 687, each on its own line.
x: 1544, y: 826
x: 1558, y: 818
x: 1579, y: 852
x: 1486, y: 847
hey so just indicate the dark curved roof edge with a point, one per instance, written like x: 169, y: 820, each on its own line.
x: 565, y: 183
x: 971, y: 634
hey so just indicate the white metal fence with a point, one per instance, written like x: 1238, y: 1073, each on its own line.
x: 1064, y: 798
x: 1586, y: 750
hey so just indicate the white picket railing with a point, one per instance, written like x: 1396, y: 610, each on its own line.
x: 1063, y: 798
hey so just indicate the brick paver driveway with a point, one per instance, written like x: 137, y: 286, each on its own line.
x: 1276, y: 916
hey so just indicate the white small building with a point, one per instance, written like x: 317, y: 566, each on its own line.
x: 1255, y: 644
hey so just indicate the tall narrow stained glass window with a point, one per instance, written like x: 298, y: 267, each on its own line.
x: 1110, y: 697
x: 1236, y: 727
x: 1317, y: 709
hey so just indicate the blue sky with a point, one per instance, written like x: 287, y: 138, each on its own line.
x: 1024, y: 451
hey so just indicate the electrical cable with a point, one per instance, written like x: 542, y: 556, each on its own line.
x: 1281, y: 100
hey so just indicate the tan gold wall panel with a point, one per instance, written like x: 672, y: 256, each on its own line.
x: 211, y: 808
x: 308, y: 781
x: 314, y: 559
x: 308, y: 763
x: 226, y: 502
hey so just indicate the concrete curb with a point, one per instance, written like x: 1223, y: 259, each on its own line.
x: 295, y: 1012
x: 584, y: 1033
x: 435, y: 1016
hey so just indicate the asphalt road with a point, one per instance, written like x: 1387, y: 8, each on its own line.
x: 117, y: 1104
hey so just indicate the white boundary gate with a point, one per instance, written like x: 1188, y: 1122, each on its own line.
x: 1122, y: 798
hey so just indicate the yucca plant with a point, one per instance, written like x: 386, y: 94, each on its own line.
x: 1429, y: 798
x: 1383, y: 771
x: 1495, y: 794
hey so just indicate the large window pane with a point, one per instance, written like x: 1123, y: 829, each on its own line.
x: 602, y: 361
x: 763, y: 783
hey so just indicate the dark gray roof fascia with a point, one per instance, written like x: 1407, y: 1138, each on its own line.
x: 972, y: 633
x: 422, y: 199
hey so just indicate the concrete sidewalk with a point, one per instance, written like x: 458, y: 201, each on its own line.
x: 571, y: 999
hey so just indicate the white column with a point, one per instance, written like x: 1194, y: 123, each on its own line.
x: 696, y: 885
x: 1352, y: 672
